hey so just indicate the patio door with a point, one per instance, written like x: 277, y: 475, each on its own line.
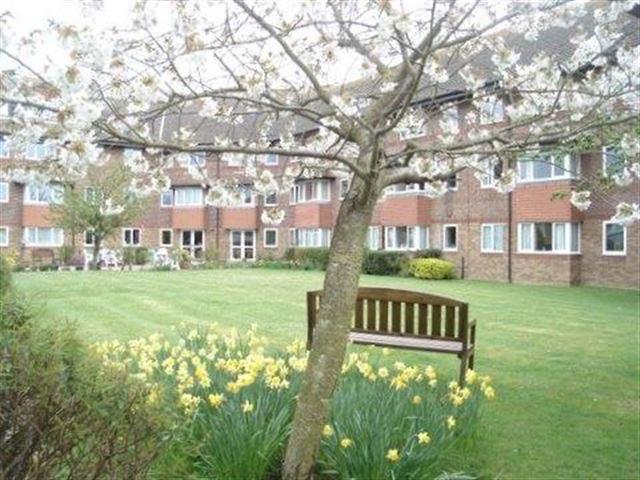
x: 243, y: 245
x: 193, y: 242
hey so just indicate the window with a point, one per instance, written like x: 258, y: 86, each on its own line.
x: 242, y: 245
x: 245, y: 196
x: 406, y: 238
x: 310, y: 237
x: 549, y: 237
x: 491, y: 110
x: 4, y: 236
x: 166, y: 200
x: 166, y: 237
x: 89, y: 239
x: 449, y: 119
x: 311, y: 191
x: 614, y: 238
x: 51, y: 193
x: 197, y: 160
x: 450, y: 238
x: 193, y: 242
x: 495, y: 172
x: 7, y: 109
x: 344, y: 187
x: 234, y: 160
x: 270, y: 237
x: 406, y: 188
x: 612, y: 161
x: 271, y: 199
x: 38, y: 151
x: 130, y: 237
x: 373, y: 238
x: 188, y: 196
x: 4, y: 192
x: 271, y: 159
x: 452, y: 183
x: 492, y: 240
x: 548, y: 166
x: 4, y: 147
x: 43, y: 237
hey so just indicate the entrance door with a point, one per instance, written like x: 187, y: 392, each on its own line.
x: 242, y: 245
x: 193, y: 242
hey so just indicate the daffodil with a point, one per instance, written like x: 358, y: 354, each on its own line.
x: 490, y: 393
x: 216, y: 399
x: 423, y: 438
x: 346, y: 443
x: 471, y: 376
x: 247, y: 407
x: 327, y: 431
x: 416, y: 400
x: 383, y: 372
x: 393, y: 455
x: 451, y: 422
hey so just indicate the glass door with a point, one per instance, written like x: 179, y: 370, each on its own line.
x: 242, y: 245
x: 193, y: 242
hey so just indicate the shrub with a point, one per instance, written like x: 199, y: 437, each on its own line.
x: 308, y: 258
x: 428, y: 253
x: 6, y: 275
x: 382, y: 263
x: 66, y: 254
x: 64, y: 416
x: 232, y: 406
x: 128, y: 256
x: 432, y: 269
x: 141, y: 255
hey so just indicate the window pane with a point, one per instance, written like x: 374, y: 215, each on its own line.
x: 450, y: 237
x: 559, y: 237
x: 248, y: 238
x: 543, y: 237
x: 486, y: 238
x: 167, y: 198
x: 525, y: 236
x: 575, y: 237
x: 614, y: 234
x: 424, y: 237
x: 401, y: 237
x: 542, y: 169
x: 136, y: 236
x: 4, y: 240
x: 166, y: 237
x: 498, y: 238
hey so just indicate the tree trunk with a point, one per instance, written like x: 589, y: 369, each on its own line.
x: 332, y: 329
x: 96, y: 252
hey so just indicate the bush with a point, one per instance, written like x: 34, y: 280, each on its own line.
x: 428, y: 253
x: 432, y: 269
x: 66, y: 254
x: 6, y: 276
x: 64, y: 415
x: 232, y: 406
x: 308, y: 258
x: 383, y: 263
x: 141, y: 256
x: 128, y: 256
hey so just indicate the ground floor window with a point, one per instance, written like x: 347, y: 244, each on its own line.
x: 89, y: 238
x: 310, y: 237
x: 243, y: 245
x: 549, y: 237
x: 4, y: 236
x: 450, y: 238
x: 614, y: 238
x: 373, y: 238
x: 43, y: 237
x: 193, y: 242
x: 406, y: 238
x: 492, y: 237
x: 166, y: 237
x: 131, y: 237
x: 270, y: 237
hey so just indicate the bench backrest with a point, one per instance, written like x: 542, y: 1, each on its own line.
x: 401, y: 312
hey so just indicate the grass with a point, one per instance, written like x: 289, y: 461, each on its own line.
x: 565, y: 360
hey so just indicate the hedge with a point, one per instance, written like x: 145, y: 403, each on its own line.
x: 431, y: 269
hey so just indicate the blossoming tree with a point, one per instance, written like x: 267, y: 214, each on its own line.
x: 343, y: 87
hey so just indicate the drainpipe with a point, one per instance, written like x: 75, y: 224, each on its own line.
x: 509, y: 237
x: 217, y: 211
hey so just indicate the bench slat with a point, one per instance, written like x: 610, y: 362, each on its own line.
x: 397, y: 341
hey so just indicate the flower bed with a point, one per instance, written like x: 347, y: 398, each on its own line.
x: 232, y: 401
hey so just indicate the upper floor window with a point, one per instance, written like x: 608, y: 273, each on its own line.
x: 197, y: 160
x: 612, y: 160
x: 131, y: 237
x: 450, y: 238
x: 406, y: 238
x: 492, y: 238
x: 401, y: 188
x: 491, y: 110
x: 344, y: 187
x: 188, y: 196
x: 548, y: 166
x: 271, y: 199
x: 271, y: 159
x: 449, y: 119
x: 452, y: 182
x: 166, y: 199
x: 43, y: 236
x: 614, y: 238
x: 549, y: 237
x: 50, y: 193
x: 245, y: 195
x: 311, y: 191
x: 4, y: 192
x: 495, y: 172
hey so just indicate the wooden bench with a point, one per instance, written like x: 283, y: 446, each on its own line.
x: 405, y: 319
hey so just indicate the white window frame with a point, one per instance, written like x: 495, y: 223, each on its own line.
x: 7, y: 186
x: 568, y: 239
x: 241, y: 203
x: 605, y: 172
x: 29, y: 187
x: 264, y: 237
x: 489, y: 179
x: 58, y: 243
x: 374, y: 236
x: 160, y: 242
x: 567, y: 172
x: 453, y: 177
x: 409, y: 189
x: 124, y: 244
x: 299, y: 187
x: 199, y: 203
x: 269, y: 159
x: 484, y: 118
x: 613, y: 253
x: 414, y: 234
x: 191, y: 248
x: 36, y: 151
x: 197, y: 160
x: 321, y: 237
x: 269, y: 204
x: 7, y: 232
x: 444, y: 237
x: 169, y: 205
x: 84, y: 238
x: 243, y: 247
x: 345, y: 190
x: 450, y: 117
x: 492, y: 227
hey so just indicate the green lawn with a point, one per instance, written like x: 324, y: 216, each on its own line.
x: 565, y: 360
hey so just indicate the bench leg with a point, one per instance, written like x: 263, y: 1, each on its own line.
x: 463, y: 369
